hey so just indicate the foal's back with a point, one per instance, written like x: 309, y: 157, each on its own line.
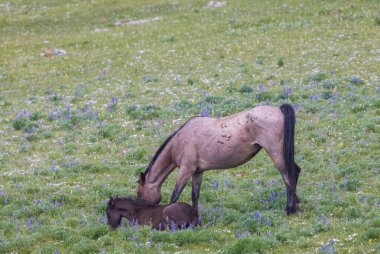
x: 182, y: 214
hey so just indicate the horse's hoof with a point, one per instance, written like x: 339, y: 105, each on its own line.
x: 290, y: 210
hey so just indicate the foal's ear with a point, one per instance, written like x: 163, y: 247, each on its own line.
x: 142, y: 178
x: 111, y: 202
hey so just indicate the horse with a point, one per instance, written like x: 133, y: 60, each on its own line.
x: 174, y: 216
x: 204, y: 143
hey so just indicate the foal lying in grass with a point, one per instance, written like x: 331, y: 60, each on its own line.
x: 174, y: 216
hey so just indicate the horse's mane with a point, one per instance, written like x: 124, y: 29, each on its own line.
x: 161, y: 148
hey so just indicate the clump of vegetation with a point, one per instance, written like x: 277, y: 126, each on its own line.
x: 245, y: 89
x: 146, y: 112
x: 319, y: 76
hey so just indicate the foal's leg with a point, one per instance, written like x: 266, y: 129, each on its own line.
x: 196, y: 189
x: 278, y: 159
x: 185, y: 172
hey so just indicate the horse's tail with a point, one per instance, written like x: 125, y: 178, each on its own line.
x: 289, y: 124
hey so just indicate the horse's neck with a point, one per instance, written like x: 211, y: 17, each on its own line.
x: 161, y: 168
x: 128, y: 211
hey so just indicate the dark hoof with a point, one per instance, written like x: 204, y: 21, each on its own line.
x: 290, y: 210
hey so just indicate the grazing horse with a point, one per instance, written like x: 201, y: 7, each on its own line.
x: 204, y: 143
x: 176, y: 216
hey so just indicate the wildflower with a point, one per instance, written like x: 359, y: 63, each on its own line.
x: 30, y: 224
x: 226, y: 182
x: 261, y: 87
x: 268, y: 222
x: 5, y: 197
x: 257, y: 215
x: 324, y: 219
x: 272, y: 196
x: 172, y: 226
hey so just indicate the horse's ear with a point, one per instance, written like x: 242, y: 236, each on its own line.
x: 142, y: 178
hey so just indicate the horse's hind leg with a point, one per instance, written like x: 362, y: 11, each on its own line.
x: 279, y: 161
x: 185, y: 172
x: 298, y: 171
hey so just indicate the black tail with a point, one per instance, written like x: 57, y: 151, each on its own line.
x: 289, y: 124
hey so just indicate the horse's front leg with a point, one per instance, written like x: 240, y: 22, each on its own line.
x: 185, y: 172
x: 196, y: 189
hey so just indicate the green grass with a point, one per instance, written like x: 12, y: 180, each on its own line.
x: 78, y: 128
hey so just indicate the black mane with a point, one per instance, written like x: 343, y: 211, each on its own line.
x: 161, y: 148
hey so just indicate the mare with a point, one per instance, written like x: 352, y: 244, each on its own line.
x: 205, y: 143
x: 176, y: 216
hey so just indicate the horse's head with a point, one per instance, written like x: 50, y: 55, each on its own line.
x: 113, y: 214
x: 147, y: 192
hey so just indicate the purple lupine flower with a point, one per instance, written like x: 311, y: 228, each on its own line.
x: 40, y: 223
x: 261, y: 87
x: 345, y: 181
x: 133, y: 238
x: 67, y: 111
x: 257, y: 215
x: 268, y: 222
x: 259, y: 182
x: 324, y: 219
x: 267, y: 102
x: 172, y: 226
x: 332, y: 72
x: 325, y: 246
x: 272, y: 196
x: 355, y: 80
x: 56, y: 251
x: 5, y: 197
x: 30, y: 224
x: 226, y: 182
x: 104, y: 72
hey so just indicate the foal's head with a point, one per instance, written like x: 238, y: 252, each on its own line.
x: 148, y: 193
x: 114, y: 215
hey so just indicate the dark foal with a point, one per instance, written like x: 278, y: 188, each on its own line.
x: 178, y: 215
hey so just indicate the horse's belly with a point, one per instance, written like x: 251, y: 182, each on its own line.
x: 219, y: 157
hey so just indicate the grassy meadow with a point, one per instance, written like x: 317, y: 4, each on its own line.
x: 90, y: 89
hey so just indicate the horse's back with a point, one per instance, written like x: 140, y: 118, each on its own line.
x: 217, y: 143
